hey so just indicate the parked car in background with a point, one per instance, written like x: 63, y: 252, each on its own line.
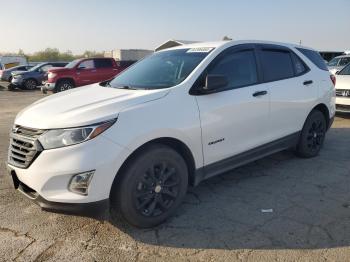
x: 82, y: 72
x: 338, y: 63
x: 175, y: 118
x: 35, y: 76
x: 343, y: 90
x: 6, y: 75
x: 329, y: 55
x: 8, y: 61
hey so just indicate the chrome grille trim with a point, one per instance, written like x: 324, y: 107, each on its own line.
x: 342, y: 92
x: 24, y: 146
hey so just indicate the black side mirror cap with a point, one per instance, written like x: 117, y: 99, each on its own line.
x: 215, y: 82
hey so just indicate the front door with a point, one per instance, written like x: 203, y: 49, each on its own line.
x: 235, y: 119
x: 87, y: 73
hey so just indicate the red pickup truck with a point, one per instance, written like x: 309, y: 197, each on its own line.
x: 82, y: 72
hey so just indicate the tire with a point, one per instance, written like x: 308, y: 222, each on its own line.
x: 312, y: 135
x: 150, y: 188
x: 63, y: 85
x: 30, y: 84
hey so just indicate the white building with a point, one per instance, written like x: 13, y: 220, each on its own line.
x: 127, y: 54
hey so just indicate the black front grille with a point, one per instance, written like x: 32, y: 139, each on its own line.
x: 24, y: 146
x: 342, y: 92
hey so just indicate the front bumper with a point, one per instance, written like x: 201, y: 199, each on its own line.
x: 48, y: 86
x: 47, y: 178
x: 17, y: 81
x: 342, y: 104
x: 92, y: 209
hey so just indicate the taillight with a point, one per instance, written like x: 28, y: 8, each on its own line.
x: 334, y: 80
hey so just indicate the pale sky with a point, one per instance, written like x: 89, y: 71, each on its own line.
x: 80, y: 25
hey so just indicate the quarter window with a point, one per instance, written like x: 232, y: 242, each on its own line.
x: 239, y: 68
x: 315, y: 58
x: 276, y: 65
x: 299, y: 66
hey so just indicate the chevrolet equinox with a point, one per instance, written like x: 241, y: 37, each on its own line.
x: 173, y: 119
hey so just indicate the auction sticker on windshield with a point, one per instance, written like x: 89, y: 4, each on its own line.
x: 200, y: 50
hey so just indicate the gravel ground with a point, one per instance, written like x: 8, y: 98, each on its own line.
x: 220, y: 220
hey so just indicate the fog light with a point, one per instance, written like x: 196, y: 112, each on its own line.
x: 80, y: 182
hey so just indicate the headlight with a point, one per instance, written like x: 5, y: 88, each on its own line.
x: 66, y: 137
x: 51, y: 75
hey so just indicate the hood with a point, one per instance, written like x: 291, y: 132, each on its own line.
x: 18, y: 72
x: 83, y: 106
x: 343, y: 82
x: 59, y: 69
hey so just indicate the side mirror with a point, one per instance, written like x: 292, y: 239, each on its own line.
x: 214, y: 82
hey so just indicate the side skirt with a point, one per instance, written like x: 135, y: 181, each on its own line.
x: 246, y: 157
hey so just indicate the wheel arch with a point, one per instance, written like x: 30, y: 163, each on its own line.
x: 66, y: 79
x: 174, y: 143
x: 325, y: 111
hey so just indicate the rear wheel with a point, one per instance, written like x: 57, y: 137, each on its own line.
x: 313, y: 135
x: 151, y: 187
x: 64, y: 85
x: 30, y: 84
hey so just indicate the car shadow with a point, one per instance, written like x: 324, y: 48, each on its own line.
x: 280, y: 201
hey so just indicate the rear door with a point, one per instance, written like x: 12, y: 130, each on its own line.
x: 87, y: 73
x: 293, y: 89
x: 104, y: 68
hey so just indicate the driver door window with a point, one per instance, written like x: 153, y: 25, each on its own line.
x: 239, y: 68
x: 87, y: 64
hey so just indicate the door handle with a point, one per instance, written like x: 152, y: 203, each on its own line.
x: 308, y: 82
x: 259, y: 93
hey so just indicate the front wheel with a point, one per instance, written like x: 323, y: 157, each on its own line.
x: 30, y: 84
x: 312, y: 135
x: 151, y: 187
x: 64, y: 85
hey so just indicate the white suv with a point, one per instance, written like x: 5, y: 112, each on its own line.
x: 173, y: 119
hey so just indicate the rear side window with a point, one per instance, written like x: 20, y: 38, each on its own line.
x: 103, y: 63
x: 314, y: 57
x: 276, y: 65
x: 239, y: 68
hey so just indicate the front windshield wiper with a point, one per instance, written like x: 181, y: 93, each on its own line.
x: 129, y: 87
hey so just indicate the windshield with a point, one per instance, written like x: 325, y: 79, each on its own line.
x: 73, y: 63
x: 333, y: 62
x: 36, y: 67
x: 161, y: 70
x: 345, y: 71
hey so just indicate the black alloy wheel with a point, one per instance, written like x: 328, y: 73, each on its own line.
x: 312, y: 135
